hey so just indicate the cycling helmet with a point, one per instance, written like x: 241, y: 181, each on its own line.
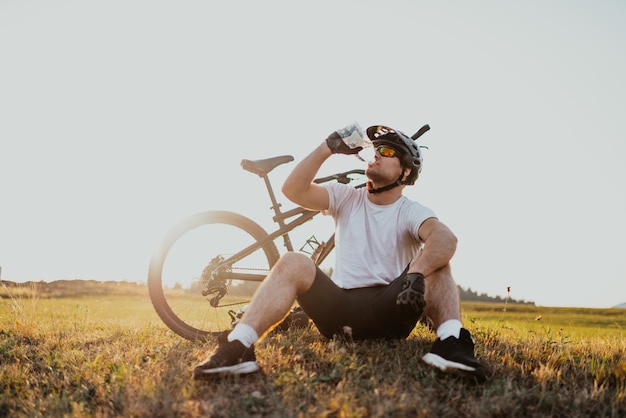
x: 410, y: 153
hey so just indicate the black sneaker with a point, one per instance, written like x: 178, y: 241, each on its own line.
x: 230, y: 358
x: 457, y: 355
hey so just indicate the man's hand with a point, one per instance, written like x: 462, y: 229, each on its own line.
x: 411, y: 297
x: 337, y: 146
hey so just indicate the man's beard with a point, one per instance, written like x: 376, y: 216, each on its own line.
x: 378, y: 178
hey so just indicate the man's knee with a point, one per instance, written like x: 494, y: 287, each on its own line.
x: 295, y: 259
x: 297, y: 268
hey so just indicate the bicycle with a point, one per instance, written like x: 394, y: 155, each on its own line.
x: 235, y: 256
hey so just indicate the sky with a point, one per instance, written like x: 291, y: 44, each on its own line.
x: 119, y: 118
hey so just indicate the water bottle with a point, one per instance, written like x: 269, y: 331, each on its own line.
x: 354, y: 136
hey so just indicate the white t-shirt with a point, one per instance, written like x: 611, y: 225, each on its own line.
x: 373, y: 243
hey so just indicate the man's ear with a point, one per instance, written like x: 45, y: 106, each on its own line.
x: 407, y: 172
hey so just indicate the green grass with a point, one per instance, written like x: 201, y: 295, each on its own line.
x: 573, y: 322
x: 107, y: 356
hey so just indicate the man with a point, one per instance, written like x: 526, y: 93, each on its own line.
x: 392, y: 265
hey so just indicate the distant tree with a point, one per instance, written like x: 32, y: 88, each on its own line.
x: 472, y: 296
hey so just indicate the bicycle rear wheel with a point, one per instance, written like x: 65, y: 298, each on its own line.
x: 191, y: 286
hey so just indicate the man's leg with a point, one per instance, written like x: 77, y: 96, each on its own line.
x: 454, y: 348
x: 442, y: 297
x: 292, y: 275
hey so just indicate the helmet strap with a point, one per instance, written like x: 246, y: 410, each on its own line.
x: 396, y: 183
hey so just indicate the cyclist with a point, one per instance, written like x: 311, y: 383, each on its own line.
x: 392, y: 265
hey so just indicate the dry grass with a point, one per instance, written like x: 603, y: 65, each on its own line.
x: 111, y: 356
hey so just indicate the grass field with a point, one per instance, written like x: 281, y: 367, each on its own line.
x: 109, y: 356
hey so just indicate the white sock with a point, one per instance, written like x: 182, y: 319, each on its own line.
x: 450, y: 328
x: 244, y: 333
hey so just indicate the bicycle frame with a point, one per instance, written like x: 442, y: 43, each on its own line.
x: 303, y: 215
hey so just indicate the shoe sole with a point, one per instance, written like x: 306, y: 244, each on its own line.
x: 241, y: 368
x: 446, y: 365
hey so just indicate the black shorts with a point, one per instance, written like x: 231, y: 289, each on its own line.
x: 371, y: 312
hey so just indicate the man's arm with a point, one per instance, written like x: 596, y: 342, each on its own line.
x: 299, y: 186
x: 439, y: 247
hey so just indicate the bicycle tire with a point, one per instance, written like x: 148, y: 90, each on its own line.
x: 180, y: 305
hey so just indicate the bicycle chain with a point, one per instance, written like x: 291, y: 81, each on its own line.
x: 232, y: 304
x: 250, y: 269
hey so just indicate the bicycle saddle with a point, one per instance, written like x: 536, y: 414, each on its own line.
x: 262, y: 167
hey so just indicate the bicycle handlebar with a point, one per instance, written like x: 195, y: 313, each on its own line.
x: 340, y: 177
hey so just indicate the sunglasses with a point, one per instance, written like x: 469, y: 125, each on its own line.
x: 386, y: 151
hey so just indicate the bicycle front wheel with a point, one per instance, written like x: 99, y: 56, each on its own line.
x: 194, y: 287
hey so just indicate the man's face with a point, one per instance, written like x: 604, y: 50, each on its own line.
x: 384, y: 169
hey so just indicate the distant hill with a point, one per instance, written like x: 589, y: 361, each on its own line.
x: 621, y: 306
x: 73, y: 288
x: 69, y: 288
